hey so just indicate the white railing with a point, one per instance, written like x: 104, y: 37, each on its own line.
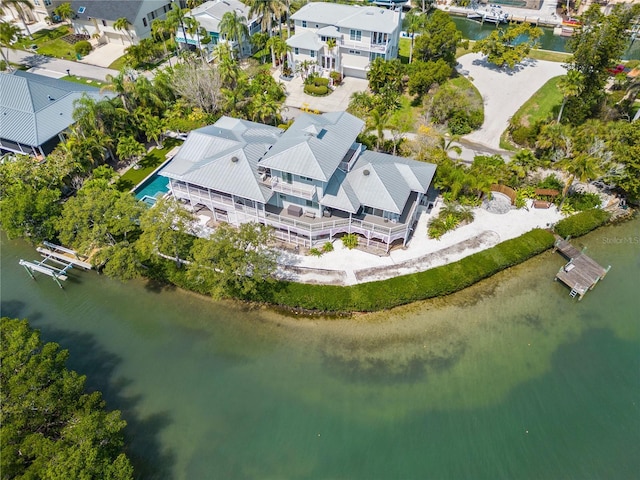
x: 365, y: 46
x: 301, y: 191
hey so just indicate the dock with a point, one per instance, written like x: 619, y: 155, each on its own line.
x: 56, y: 262
x: 581, y: 273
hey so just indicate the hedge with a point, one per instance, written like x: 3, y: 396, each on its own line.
x: 397, y: 291
x: 83, y: 47
x: 320, y: 90
x: 582, y: 223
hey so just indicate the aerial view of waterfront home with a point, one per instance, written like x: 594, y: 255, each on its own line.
x: 310, y: 183
x: 361, y: 35
x: 36, y: 110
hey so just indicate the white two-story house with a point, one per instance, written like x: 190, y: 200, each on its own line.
x: 97, y: 18
x: 311, y: 182
x: 361, y: 34
x: 209, y: 15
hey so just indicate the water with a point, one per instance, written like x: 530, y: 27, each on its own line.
x: 508, y: 379
x: 151, y: 187
x: 548, y: 41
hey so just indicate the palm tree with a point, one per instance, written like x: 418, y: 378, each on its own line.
x: 267, y: 9
x: 265, y: 108
x: 159, y: 30
x: 234, y: 28
x: 193, y: 29
x: 279, y: 49
x: 570, y: 85
x: 123, y: 24
x: 583, y: 167
x: 413, y: 23
x: 152, y: 125
x: 65, y: 12
x: 9, y: 33
x: 378, y: 121
x: 120, y: 84
x: 331, y: 45
x: 130, y: 149
x: 21, y: 6
x: 175, y: 19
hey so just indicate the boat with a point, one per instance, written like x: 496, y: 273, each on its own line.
x: 493, y: 14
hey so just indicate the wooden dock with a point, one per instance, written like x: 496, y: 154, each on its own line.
x: 581, y: 273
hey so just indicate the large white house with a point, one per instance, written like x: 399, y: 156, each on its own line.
x: 310, y: 182
x: 361, y: 34
x: 97, y: 17
x: 209, y: 15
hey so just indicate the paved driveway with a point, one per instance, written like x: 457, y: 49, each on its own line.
x: 104, y: 55
x: 336, y: 102
x: 504, y: 91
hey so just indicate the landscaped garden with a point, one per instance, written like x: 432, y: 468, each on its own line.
x: 50, y: 42
x: 147, y: 164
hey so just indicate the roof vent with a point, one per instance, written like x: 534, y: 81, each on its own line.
x: 234, y: 159
x: 366, y: 173
x: 49, y: 97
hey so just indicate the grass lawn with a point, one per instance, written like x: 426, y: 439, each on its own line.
x: 542, y: 105
x: 50, y: 42
x: 148, y: 164
x: 119, y: 63
x: 549, y: 55
x: 83, y: 81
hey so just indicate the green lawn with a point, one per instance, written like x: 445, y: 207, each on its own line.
x: 119, y: 63
x: 542, y: 105
x: 148, y: 164
x: 549, y: 55
x: 84, y: 81
x: 49, y: 42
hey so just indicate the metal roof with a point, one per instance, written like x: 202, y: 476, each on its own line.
x: 381, y: 181
x: 210, y: 13
x: 113, y: 9
x: 224, y: 157
x: 340, y: 195
x: 306, y: 40
x: 314, y: 145
x: 373, y: 19
x: 34, y: 108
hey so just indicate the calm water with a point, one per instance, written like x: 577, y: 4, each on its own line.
x: 475, y: 30
x: 509, y: 379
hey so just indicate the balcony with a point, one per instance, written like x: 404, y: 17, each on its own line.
x: 298, y: 190
x: 364, y: 46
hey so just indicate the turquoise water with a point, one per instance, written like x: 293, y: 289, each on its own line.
x: 154, y: 185
x: 508, y: 379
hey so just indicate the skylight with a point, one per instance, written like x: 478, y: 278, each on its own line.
x: 81, y: 10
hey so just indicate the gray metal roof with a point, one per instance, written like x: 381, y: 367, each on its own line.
x: 373, y: 19
x: 306, y: 40
x: 224, y: 157
x: 314, y: 145
x: 34, y: 108
x: 113, y: 9
x: 381, y: 181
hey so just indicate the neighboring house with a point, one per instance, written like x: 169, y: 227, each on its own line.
x: 209, y: 15
x: 36, y: 110
x: 361, y: 33
x: 310, y: 182
x: 41, y: 12
x: 97, y: 17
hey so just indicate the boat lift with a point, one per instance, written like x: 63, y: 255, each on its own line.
x: 63, y: 258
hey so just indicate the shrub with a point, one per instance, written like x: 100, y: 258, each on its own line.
x: 3, y: 66
x: 583, y: 201
x: 327, y: 247
x: 350, y: 241
x: 315, y: 252
x: 581, y: 223
x: 83, y: 47
x: 317, y: 91
x: 552, y: 182
x: 524, y: 136
x: 336, y: 77
x: 321, y: 82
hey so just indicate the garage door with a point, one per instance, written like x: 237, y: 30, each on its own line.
x: 354, y: 72
x: 114, y: 37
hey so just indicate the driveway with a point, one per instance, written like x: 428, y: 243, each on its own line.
x: 503, y: 91
x: 104, y: 55
x: 335, y: 102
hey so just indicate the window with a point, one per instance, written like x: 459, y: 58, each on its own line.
x: 312, y: 53
x: 296, y: 50
x: 48, y: 3
x: 36, y: 2
x: 355, y: 35
x: 379, y: 38
x: 307, y: 179
x: 374, y: 55
x: 354, y: 52
x: 309, y: 203
x: 304, y: 23
x: 144, y: 22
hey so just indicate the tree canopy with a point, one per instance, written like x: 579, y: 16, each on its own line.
x: 438, y: 40
x: 50, y: 428
x: 504, y: 46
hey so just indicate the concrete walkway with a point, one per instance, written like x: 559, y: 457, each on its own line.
x: 57, y: 68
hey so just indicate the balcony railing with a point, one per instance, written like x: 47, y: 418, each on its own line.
x: 301, y: 191
x: 364, y: 46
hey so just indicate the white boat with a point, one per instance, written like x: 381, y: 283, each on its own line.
x: 491, y: 15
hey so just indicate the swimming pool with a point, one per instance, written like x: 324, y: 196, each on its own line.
x: 152, y: 188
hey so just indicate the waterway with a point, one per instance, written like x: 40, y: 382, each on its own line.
x: 548, y: 41
x: 509, y: 379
